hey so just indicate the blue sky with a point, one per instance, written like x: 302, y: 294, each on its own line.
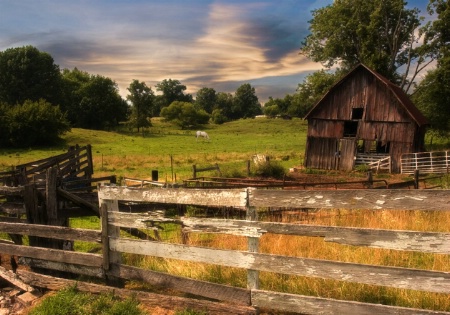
x: 202, y: 43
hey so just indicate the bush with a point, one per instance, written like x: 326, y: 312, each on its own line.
x: 33, y: 123
x: 270, y: 169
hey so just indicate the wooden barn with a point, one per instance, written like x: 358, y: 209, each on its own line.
x: 363, y: 117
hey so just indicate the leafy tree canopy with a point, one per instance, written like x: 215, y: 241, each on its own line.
x: 28, y: 74
x: 142, y: 99
x: 172, y: 90
x: 432, y: 96
x: 184, y: 115
x: 92, y: 101
x: 206, y: 99
x: 245, y: 103
x: 382, y: 34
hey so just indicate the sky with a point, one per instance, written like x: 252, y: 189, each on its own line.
x: 202, y: 43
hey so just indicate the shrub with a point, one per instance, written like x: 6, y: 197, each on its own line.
x: 270, y: 169
x: 33, y: 123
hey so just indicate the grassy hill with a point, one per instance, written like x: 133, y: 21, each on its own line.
x: 166, y: 149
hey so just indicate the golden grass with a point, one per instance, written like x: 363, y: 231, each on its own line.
x: 315, y: 247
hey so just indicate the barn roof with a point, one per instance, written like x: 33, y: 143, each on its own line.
x: 401, y: 96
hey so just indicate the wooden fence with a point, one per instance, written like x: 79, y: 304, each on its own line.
x: 426, y: 162
x: 249, y: 200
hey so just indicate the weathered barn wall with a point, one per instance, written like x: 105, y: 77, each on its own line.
x: 363, y: 108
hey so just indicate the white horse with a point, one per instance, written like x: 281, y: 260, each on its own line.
x: 201, y: 134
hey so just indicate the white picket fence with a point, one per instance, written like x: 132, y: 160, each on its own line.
x: 426, y: 162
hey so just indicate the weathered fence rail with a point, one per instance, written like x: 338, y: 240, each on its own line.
x: 108, y: 264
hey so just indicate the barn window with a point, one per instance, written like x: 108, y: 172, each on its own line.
x: 350, y: 128
x: 357, y: 113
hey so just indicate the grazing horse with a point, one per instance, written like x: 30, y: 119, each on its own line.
x: 201, y: 134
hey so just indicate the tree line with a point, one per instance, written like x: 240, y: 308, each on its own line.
x: 39, y: 101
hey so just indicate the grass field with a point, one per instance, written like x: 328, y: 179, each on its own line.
x: 172, y: 151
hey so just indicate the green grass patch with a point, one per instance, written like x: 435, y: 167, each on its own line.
x: 72, y: 301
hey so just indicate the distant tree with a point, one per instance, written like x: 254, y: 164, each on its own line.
x: 28, y: 74
x: 223, y: 107
x: 31, y: 124
x: 93, y: 101
x: 311, y: 91
x: 382, y: 34
x: 281, y: 103
x: 271, y: 111
x: 142, y: 99
x: 218, y: 117
x: 184, y: 115
x: 206, y: 99
x: 172, y: 90
x: 245, y: 103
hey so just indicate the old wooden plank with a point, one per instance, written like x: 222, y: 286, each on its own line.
x: 204, y: 197
x: 138, y: 220
x: 310, y: 305
x: 16, y: 208
x: 78, y: 200
x: 65, y: 256
x: 12, y: 278
x: 11, y: 191
x: 149, y: 299
x: 353, y: 199
x: 51, y: 199
x: 405, y: 278
x: 57, y: 232
x: 200, y: 288
x: 65, y: 267
x: 428, y: 242
x: 234, y: 227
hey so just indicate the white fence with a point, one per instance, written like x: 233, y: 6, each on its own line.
x: 374, y: 161
x: 425, y: 162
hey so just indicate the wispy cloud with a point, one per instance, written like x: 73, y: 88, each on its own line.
x: 213, y: 43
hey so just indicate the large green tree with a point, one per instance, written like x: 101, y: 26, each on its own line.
x: 172, y: 90
x: 432, y: 96
x: 184, y: 115
x: 142, y: 101
x: 382, y: 34
x: 28, y: 74
x: 245, y: 103
x: 206, y: 99
x: 92, y: 101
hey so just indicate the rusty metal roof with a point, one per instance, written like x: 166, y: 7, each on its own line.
x: 401, y: 96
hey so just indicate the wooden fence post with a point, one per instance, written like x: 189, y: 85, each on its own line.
x: 109, y: 257
x: 194, y: 171
x: 253, y: 245
x: 416, y: 179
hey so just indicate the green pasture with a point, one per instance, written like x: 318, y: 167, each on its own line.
x: 173, y: 151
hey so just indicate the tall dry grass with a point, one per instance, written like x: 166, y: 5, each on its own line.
x: 316, y: 247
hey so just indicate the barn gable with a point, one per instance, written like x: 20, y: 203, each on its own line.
x: 362, y: 113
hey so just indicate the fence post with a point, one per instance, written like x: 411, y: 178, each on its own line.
x: 369, y: 179
x: 416, y: 179
x: 253, y: 245
x: 105, y: 238
x: 107, y: 233
x: 194, y: 171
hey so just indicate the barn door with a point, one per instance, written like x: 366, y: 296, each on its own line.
x: 321, y: 153
x: 347, y: 154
